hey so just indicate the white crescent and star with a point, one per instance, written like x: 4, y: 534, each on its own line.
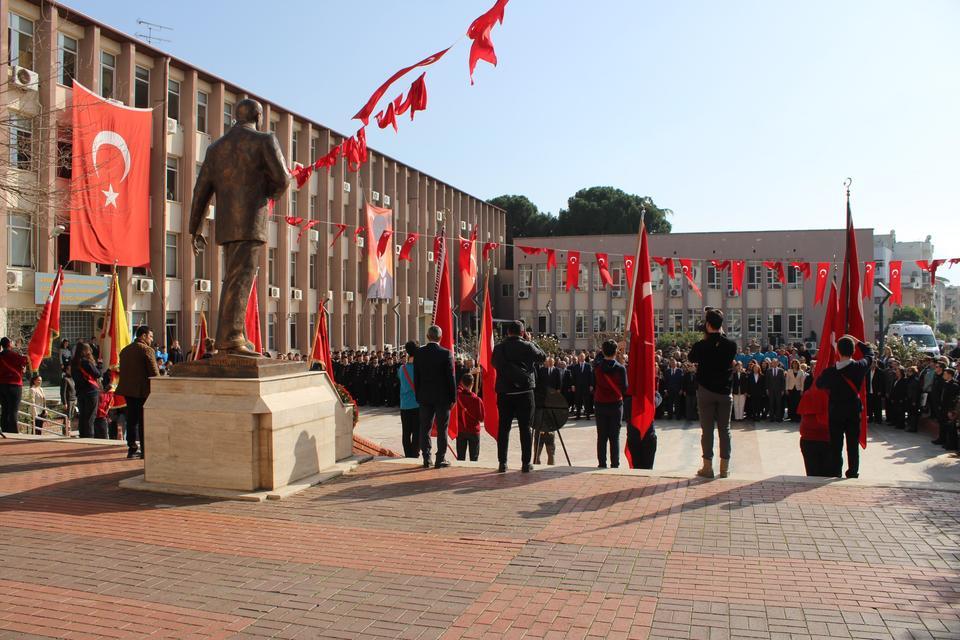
x: 823, y: 273
x: 113, y: 139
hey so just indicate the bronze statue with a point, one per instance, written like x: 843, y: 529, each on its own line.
x: 244, y: 169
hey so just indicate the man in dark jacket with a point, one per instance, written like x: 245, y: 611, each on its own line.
x: 549, y: 377
x: 582, y: 386
x: 137, y: 366
x: 516, y: 361
x: 843, y: 381
x: 436, y: 392
x: 949, y: 391
x: 609, y: 386
x: 12, y: 366
x: 713, y: 356
x: 674, y: 397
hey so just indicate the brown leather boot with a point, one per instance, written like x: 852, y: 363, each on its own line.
x: 724, y: 467
x: 706, y: 471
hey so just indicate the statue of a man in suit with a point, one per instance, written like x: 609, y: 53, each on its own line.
x: 244, y: 169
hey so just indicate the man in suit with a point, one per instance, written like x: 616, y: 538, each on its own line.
x: 582, y: 386
x: 244, y: 169
x: 843, y: 381
x: 674, y: 380
x: 436, y: 391
x: 776, y: 384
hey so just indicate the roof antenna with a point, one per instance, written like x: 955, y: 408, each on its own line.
x: 149, y: 36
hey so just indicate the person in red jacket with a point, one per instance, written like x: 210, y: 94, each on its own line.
x: 610, y: 384
x: 470, y: 415
x: 12, y: 366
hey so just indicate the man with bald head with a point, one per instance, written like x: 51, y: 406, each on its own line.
x: 244, y: 169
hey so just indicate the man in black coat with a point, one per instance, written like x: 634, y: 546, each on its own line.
x: 436, y: 392
x: 843, y: 381
x: 582, y: 388
x: 515, y: 360
x: 674, y: 396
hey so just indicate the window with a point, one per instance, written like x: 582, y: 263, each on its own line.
x: 774, y: 324
x: 597, y: 280
x: 772, y: 281
x: 314, y: 150
x: 656, y: 278
x: 581, y: 325
x: 314, y: 203
x: 794, y: 278
x: 67, y: 50
x: 312, y: 325
x: 733, y: 324
x: 562, y: 323
x: 139, y: 319
x: 294, y: 203
x: 658, y: 321
x: 543, y: 281
x: 312, y: 271
x: 21, y: 142
x: 20, y: 241
x: 173, y: 100
x: 108, y: 74
x: 20, y: 42
x: 294, y: 146
x: 272, y: 267
x: 64, y: 153
x: 63, y: 251
x: 273, y: 127
x: 754, y: 324
x: 582, y: 279
x: 599, y: 321
x: 227, y: 116
x: 675, y: 320
x: 293, y: 270
x: 543, y: 322
x: 713, y: 278
x: 292, y: 321
x: 272, y: 331
x: 171, y: 255
x: 693, y: 319
x: 795, y: 325
x: 619, y: 320
x: 619, y: 278
x: 173, y: 179
x: 506, y: 291
x: 141, y: 88
x: 202, y: 99
x: 171, y: 323
x: 753, y: 276
x: 526, y: 277
x: 200, y: 265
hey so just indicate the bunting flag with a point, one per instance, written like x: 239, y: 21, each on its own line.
x: 551, y: 259
x: 383, y: 242
x: 488, y: 374
x: 271, y: 206
x: 814, y: 403
x: 603, y: 266
x: 301, y: 174
x: 721, y: 265
x: 930, y: 266
x: 251, y: 322
x: 408, y: 247
x: 201, y: 346
x: 628, y: 268
x: 416, y: 98
x: 340, y: 229
x: 479, y: 32
x: 329, y: 159
x: 48, y: 326
x: 868, y: 272
x: 355, y: 149
x: 320, y: 352
x: 364, y: 114
x: 686, y: 266
x: 777, y: 267
x: 896, y: 269
x: 530, y: 251
x: 803, y: 268
x: 294, y: 221
x: 116, y: 332
x: 467, y: 260
x: 850, y: 308
x: 573, y: 270
x: 358, y: 235
x: 306, y: 227
x: 667, y: 263
x: 823, y: 268
x: 737, y: 269
x: 487, y: 248
x: 388, y: 119
x: 641, y: 366
x: 443, y: 317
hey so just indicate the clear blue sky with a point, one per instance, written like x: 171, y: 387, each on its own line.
x: 743, y: 114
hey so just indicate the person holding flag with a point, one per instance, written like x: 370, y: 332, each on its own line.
x: 843, y: 381
x: 12, y: 366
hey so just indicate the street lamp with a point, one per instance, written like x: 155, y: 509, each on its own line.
x: 886, y: 290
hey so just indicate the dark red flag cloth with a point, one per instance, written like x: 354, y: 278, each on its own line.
x: 814, y: 403
x: 803, y: 268
x: 479, y: 32
x: 850, y: 309
x: 573, y: 269
x: 488, y: 375
x: 364, y: 114
x: 329, y: 159
x: 603, y: 266
x: 530, y: 251
x: 408, y: 247
x: 202, y: 335
x: 358, y: 235
x: 686, y: 266
x: 641, y: 367
x: 251, y: 322
x: 668, y: 264
x: 355, y: 149
x: 868, y: 272
x: 628, y: 268
x: 294, y: 221
x: 340, y: 229
x: 551, y: 259
x: 110, y: 187
x: 467, y: 261
x: 310, y: 223
x: 271, y: 206
x: 416, y: 96
x: 931, y: 267
x: 443, y: 317
x: 896, y: 269
x: 721, y: 265
x: 301, y: 173
x: 48, y: 326
x: 823, y: 269
x: 383, y: 242
x: 321, y: 342
x: 387, y: 119
x: 737, y: 269
x: 777, y: 267
x: 487, y: 248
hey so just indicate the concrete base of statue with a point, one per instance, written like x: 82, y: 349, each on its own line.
x: 249, y: 438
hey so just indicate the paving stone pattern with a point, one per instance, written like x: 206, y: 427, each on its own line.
x: 394, y: 551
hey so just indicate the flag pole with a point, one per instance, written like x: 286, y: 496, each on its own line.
x: 636, y: 265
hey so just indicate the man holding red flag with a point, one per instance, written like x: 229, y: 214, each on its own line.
x: 844, y: 382
x: 48, y: 327
x: 641, y: 448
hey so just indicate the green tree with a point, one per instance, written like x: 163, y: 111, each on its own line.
x: 948, y: 329
x: 524, y: 219
x: 607, y: 210
x: 682, y: 340
x: 912, y: 314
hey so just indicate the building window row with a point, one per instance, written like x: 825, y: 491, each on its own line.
x: 20, y: 42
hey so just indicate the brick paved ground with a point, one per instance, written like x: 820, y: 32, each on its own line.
x: 393, y: 551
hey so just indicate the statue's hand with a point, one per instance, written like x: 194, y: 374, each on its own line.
x: 199, y: 244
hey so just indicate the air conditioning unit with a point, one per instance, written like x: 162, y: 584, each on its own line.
x: 915, y: 285
x: 145, y: 285
x: 439, y: 215
x: 14, y: 279
x: 26, y: 79
x: 375, y: 196
x: 408, y: 299
x: 211, y: 212
x: 348, y: 296
x: 501, y: 238
x: 495, y: 271
x: 419, y: 302
x: 675, y: 292
x: 273, y: 292
x: 463, y: 225
x: 296, y: 294
x: 428, y: 306
x: 732, y: 293
x: 171, y: 126
x: 314, y: 235
x: 330, y: 295
x: 346, y: 187
x: 399, y: 246
x: 617, y: 293
x: 429, y: 256
x: 386, y: 200
x: 202, y: 286
x: 523, y: 294
x: 360, y: 242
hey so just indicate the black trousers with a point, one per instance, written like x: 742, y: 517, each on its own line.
x: 87, y: 406
x: 643, y: 451
x: 775, y: 404
x: 135, y: 422
x: 817, y: 458
x: 410, y: 432
x: 10, y: 395
x: 583, y: 400
x: 609, y: 417
x: 874, y: 408
x: 519, y: 406
x: 793, y: 399
x: 429, y: 412
x: 845, y: 423
x: 464, y: 442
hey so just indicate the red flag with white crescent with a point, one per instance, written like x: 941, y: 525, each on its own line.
x: 48, y: 326
x: 667, y: 263
x: 468, y: 272
x: 777, y: 268
x: 850, y: 308
x: 803, y: 268
x: 686, y: 266
x: 488, y: 374
x: 896, y: 269
x: 573, y: 269
x: 408, y: 247
x: 628, y: 268
x: 551, y: 259
x: 603, y: 265
x: 868, y: 272
x: 823, y: 268
x: 641, y: 366
x: 737, y: 269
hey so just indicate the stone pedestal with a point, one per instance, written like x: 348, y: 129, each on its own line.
x: 242, y: 434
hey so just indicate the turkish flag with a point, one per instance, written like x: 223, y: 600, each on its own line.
x: 668, y: 264
x: 468, y: 273
x: 777, y: 267
x: 110, y: 188
x: 896, y: 268
x: 321, y: 342
x: 868, y: 272
x: 737, y: 269
x: 487, y: 248
x: 551, y: 259
x: 530, y: 251
x: 479, y: 32
x: 340, y: 229
x: 686, y: 266
x: 364, y: 114
x: 573, y: 269
x: 201, y: 347
x: 603, y: 265
x: 850, y: 309
x: 408, y: 247
x: 641, y: 364
x: 387, y: 119
x: 823, y: 269
x: 488, y: 374
x: 721, y: 265
x: 803, y: 268
x: 628, y: 268
x: 383, y: 242
x: 48, y: 326
x: 931, y: 267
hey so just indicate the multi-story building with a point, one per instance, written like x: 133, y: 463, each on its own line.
x: 48, y: 45
x: 916, y: 286
x: 766, y: 312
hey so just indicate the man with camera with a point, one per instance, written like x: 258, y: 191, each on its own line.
x: 843, y: 381
x: 516, y: 360
x: 714, y: 356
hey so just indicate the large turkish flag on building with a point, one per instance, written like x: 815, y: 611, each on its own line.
x: 110, y: 187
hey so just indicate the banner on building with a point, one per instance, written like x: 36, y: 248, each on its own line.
x: 379, y: 267
x: 76, y: 290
